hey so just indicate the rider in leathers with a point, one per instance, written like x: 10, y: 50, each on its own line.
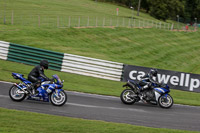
x: 37, y: 72
x: 148, y: 79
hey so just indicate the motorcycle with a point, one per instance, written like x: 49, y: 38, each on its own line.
x: 48, y: 91
x: 157, y: 94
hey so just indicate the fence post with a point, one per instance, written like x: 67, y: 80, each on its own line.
x: 139, y: 23
x: 152, y: 23
x: 12, y: 18
x: 160, y: 25
x: 39, y: 20
x: 143, y: 23
x: 117, y: 22
x: 110, y: 21
x: 88, y: 22
x: 79, y: 22
x: 168, y: 26
x: 103, y: 21
x: 172, y: 26
x: 58, y: 23
x: 123, y: 23
x: 69, y: 22
x: 96, y: 21
x: 129, y: 21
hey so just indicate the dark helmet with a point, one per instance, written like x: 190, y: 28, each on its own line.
x: 153, y: 72
x: 44, y: 63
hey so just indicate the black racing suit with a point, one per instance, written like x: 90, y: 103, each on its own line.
x: 37, y: 72
x: 146, y: 81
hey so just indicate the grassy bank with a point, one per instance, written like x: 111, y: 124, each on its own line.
x: 56, y: 8
x: 178, y: 51
x: 13, y: 121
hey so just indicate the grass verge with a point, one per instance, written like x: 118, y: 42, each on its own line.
x: 13, y: 121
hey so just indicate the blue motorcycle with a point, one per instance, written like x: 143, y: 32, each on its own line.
x: 157, y: 94
x: 49, y: 91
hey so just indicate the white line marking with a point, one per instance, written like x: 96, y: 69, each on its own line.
x: 104, y: 107
x: 4, y: 96
x: 92, y: 106
x: 6, y: 82
x: 91, y: 95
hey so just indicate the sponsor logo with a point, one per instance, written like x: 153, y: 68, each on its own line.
x: 180, y: 79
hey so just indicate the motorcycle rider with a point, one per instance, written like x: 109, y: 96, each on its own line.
x: 147, y: 80
x: 38, y: 71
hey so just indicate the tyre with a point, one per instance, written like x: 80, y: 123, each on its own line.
x: 127, y: 96
x: 165, y: 101
x: 16, y: 94
x: 58, y: 100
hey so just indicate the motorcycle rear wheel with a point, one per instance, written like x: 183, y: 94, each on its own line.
x: 127, y: 96
x: 14, y: 95
x: 58, y: 100
x: 165, y: 101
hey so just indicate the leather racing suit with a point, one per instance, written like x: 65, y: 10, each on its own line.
x: 37, y: 72
x: 146, y: 81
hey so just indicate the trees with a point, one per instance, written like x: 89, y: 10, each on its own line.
x: 165, y: 9
x: 192, y: 9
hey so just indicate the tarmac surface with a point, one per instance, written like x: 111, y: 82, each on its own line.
x: 110, y: 109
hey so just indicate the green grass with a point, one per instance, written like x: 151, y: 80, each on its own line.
x: 64, y: 8
x: 178, y: 51
x: 48, y: 13
x: 13, y: 121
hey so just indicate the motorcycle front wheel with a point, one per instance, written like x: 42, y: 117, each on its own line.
x: 165, y: 101
x: 127, y: 96
x: 58, y: 100
x: 16, y: 94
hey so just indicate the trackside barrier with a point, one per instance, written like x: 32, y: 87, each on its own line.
x: 62, y: 62
x: 4, y: 46
x: 92, y: 67
x: 32, y: 56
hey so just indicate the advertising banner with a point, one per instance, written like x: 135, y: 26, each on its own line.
x: 176, y: 80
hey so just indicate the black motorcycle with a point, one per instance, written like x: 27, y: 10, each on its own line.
x: 157, y: 94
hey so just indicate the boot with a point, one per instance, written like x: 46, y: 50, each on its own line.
x: 35, y: 88
x: 29, y: 89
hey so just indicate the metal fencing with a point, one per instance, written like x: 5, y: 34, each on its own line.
x: 61, y: 21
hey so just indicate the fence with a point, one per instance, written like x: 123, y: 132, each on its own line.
x: 61, y: 61
x: 82, y: 21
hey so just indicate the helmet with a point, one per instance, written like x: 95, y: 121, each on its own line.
x: 44, y: 63
x: 153, y: 72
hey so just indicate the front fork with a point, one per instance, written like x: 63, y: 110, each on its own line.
x: 57, y: 94
x: 165, y: 97
x: 157, y: 95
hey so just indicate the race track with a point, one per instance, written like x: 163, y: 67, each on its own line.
x: 108, y: 108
